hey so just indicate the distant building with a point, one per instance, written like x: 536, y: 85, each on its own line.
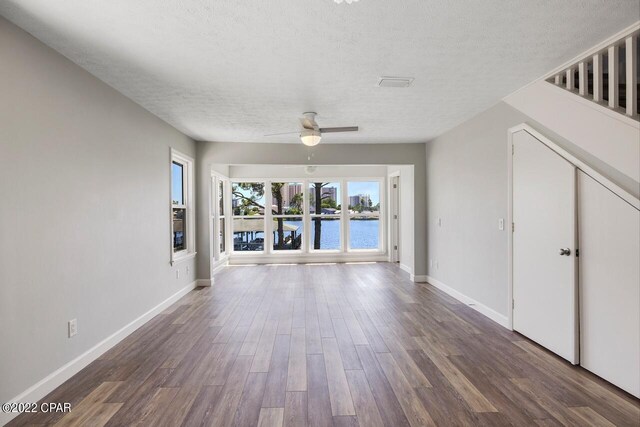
x: 331, y: 192
x: 289, y: 192
x: 360, y: 199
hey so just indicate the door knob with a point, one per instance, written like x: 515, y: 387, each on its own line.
x: 565, y: 251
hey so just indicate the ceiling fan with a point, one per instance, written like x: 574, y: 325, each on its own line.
x: 311, y: 133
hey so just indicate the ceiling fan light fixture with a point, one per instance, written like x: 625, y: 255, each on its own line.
x: 310, y: 137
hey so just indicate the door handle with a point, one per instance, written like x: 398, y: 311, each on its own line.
x: 565, y: 251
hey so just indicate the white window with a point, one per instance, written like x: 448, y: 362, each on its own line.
x: 365, y: 230
x: 248, y: 225
x: 325, y: 213
x: 287, y: 209
x: 219, y: 217
x: 182, y: 204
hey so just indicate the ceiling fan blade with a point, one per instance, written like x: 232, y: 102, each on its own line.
x: 282, y: 133
x: 340, y: 129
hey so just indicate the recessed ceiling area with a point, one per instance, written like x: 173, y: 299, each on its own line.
x: 234, y: 71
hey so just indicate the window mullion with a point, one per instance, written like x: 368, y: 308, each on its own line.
x: 306, y: 222
x: 268, y: 218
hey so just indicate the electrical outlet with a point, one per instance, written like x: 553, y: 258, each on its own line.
x: 439, y: 222
x: 177, y: 273
x: 187, y: 269
x: 501, y: 224
x: 72, y: 327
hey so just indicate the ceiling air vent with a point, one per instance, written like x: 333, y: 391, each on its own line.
x: 395, y: 81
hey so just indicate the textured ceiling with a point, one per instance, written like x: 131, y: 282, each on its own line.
x: 230, y: 70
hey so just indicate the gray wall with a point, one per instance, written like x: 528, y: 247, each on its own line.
x: 211, y: 153
x: 84, y: 224
x: 467, y: 188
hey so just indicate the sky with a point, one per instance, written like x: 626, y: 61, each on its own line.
x: 176, y: 182
x: 370, y: 188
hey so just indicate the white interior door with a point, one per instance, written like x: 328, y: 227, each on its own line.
x: 544, y: 244
x: 395, y: 219
x: 609, y: 285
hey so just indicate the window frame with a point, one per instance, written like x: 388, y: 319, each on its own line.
x: 274, y: 217
x: 380, y: 215
x: 264, y: 217
x: 188, y: 205
x: 217, y: 216
x: 310, y: 217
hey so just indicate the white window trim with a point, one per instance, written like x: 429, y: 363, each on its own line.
x: 217, y: 255
x: 189, y: 198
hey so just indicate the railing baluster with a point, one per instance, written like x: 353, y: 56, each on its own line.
x: 631, y: 50
x: 613, y: 77
x: 597, y: 77
x: 569, y: 73
x: 582, y: 78
x: 558, y: 79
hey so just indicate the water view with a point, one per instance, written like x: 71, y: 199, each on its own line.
x: 363, y: 234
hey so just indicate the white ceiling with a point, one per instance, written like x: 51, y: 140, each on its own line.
x: 231, y: 70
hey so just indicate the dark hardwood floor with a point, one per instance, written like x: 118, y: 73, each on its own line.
x: 325, y: 345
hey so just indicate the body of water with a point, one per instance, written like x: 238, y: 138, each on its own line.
x: 363, y: 234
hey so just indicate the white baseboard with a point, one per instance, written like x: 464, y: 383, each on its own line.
x: 418, y: 278
x: 500, y: 319
x: 62, y: 374
x: 204, y: 282
x: 219, y: 266
x: 300, y: 258
x: 406, y: 268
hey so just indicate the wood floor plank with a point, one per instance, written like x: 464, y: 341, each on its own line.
x: 318, y: 402
x: 373, y: 337
x: 271, y: 417
x: 312, y: 327
x: 339, y: 393
x: 262, y: 358
x: 227, y: 404
x: 348, y: 352
x: 92, y: 405
x: 411, y: 405
x: 297, y: 372
x: 274, y: 394
x: 465, y: 388
x: 363, y: 400
x: 591, y: 417
x: 201, y: 409
x: 295, y: 409
x: 250, y: 403
x: 386, y: 400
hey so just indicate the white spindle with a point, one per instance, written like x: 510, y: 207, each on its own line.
x: 597, y: 77
x: 558, y: 79
x: 631, y: 49
x: 582, y: 78
x: 613, y: 76
x: 569, y: 82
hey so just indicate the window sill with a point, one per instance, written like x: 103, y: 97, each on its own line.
x: 181, y: 258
